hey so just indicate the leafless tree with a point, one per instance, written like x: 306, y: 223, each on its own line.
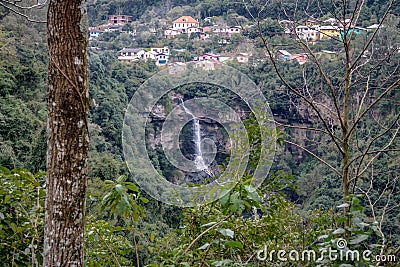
x: 342, y: 101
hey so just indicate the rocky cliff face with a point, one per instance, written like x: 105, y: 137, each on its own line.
x: 209, y: 130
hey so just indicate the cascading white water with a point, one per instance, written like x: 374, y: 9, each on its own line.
x: 199, y: 161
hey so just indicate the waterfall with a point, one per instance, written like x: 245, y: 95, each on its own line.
x: 199, y: 161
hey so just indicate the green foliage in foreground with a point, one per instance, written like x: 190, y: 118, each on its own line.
x: 21, y: 217
x: 229, y: 232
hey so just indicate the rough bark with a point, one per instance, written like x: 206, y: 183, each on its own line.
x: 68, y: 139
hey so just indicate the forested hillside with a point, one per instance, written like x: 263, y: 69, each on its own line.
x: 336, y: 106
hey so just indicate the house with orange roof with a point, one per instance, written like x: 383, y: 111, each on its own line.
x: 183, y: 23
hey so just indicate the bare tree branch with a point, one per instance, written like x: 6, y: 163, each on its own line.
x: 315, y: 156
x: 12, y: 7
x: 373, y: 34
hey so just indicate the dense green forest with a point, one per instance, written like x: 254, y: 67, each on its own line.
x: 300, y: 204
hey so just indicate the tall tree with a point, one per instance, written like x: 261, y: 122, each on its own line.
x: 345, y: 95
x: 67, y: 125
x: 68, y: 136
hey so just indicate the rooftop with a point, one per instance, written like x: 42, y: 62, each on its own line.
x: 186, y: 19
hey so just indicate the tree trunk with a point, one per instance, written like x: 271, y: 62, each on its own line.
x: 68, y: 137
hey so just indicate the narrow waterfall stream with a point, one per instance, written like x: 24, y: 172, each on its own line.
x: 199, y: 161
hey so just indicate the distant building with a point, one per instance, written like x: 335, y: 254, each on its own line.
x: 226, y: 31
x: 159, y: 54
x: 161, y: 59
x: 288, y: 26
x: 119, y: 19
x: 204, y: 36
x: 225, y: 57
x: 352, y: 32
x: 311, y: 22
x: 150, y: 55
x: 243, y: 58
x: 183, y: 23
x: 234, y: 29
x: 94, y: 32
x: 328, y: 54
x: 113, y: 28
x: 374, y: 26
x: 208, y: 56
x: 308, y: 33
x: 331, y: 21
x: 207, y: 29
x: 287, y: 56
x: 283, y: 54
x: 170, y: 33
x: 345, y: 23
x: 300, y: 58
x: 159, y: 50
x: 131, y: 54
x: 209, y: 64
x: 327, y: 32
x: 194, y: 30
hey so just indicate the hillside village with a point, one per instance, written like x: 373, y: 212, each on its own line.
x: 190, y: 29
x: 315, y: 136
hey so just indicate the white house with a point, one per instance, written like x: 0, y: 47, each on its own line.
x: 183, y: 23
x: 161, y: 59
x: 131, y: 54
x: 308, y: 33
x: 150, y: 55
x: 234, y: 29
x: 159, y: 50
x: 226, y: 30
x: 194, y: 30
x: 170, y: 33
